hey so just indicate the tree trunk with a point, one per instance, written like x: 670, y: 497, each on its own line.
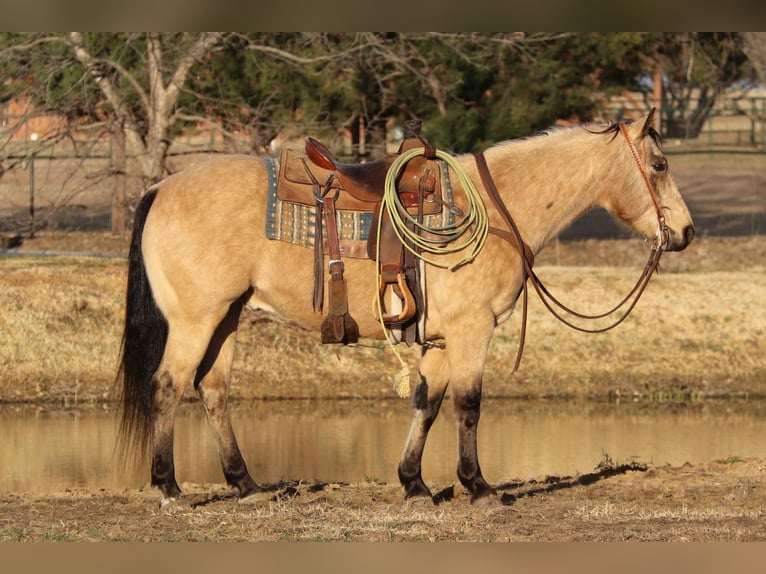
x: 120, y: 179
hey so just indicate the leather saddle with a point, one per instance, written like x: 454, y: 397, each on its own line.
x: 365, y: 181
x: 316, y: 177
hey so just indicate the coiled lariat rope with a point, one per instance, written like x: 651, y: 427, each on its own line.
x: 438, y: 239
x: 468, y: 232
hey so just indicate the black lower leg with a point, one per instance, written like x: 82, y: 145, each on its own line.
x: 163, y: 471
x: 234, y: 467
x: 166, y: 397
x: 237, y: 475
x: 410, y: 465
x: 468, y: 411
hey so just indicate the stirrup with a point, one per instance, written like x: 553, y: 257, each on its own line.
x: 409, y: 301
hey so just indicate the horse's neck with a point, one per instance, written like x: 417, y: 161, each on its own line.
x: 547, y: 182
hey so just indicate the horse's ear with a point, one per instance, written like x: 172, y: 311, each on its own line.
x: 648, y: 122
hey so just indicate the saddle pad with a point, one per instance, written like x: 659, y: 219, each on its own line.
x: 293, y: 222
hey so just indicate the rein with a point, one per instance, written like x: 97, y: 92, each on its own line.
x: 663, y: 237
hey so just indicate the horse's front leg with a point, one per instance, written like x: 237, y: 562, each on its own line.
x: 466, y: 360
x: 467, y: 412
x: 426, y: 402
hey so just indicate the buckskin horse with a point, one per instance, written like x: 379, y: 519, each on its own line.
x: 199, y: 255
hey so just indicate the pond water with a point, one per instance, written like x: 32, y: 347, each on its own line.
x: 350, y: 441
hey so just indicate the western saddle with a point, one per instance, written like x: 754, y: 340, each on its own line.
x: 317, y: 178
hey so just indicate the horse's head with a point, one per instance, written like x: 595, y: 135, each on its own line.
x: 649, y: 201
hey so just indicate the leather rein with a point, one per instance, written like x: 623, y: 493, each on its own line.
x: 550, y: 302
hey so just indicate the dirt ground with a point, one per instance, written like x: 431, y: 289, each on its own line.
x: 722, y: 500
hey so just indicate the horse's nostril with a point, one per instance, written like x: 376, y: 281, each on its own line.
x: 689, y: 234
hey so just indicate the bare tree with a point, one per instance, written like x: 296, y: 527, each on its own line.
x: 698, y: 68
x: 158, y: 96
x: 129, y: 84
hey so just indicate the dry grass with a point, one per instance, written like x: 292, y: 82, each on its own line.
x: 697, y: 332
x: 693, y: 334
x: 710, y: 502
x: 60, y: 319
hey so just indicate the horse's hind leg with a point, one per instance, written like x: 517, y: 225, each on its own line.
x: 212, y: 384
x: 184, y: 350
x: 427, y: 399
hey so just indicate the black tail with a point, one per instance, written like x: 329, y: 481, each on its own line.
x: 143, y: 343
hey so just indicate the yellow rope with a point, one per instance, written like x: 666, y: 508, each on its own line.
x: 437, y: 240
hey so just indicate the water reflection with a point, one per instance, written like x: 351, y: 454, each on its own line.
x: 351, y: 441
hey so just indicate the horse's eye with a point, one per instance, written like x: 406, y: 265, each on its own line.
x: 660, y: 165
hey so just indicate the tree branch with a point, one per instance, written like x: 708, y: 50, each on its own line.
x: 94, y: 67
x: 199, y: 49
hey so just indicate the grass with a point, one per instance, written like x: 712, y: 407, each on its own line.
x: 693, y: 335
x: 712, y: 502
x: 60, y: 319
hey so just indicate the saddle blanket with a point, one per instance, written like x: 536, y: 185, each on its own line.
x: 294, y: 222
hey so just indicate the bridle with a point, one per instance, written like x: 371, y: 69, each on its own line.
x: 550, y: 302
x: 663, y: 233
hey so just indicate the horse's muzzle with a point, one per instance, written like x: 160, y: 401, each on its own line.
x: 680, y: 241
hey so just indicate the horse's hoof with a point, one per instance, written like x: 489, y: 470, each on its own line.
x: 416, y: 490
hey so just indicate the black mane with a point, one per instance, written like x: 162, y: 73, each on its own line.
x: 614, y: 128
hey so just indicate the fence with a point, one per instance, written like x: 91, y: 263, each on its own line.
x: 70, y: 185
x: 736, y: 124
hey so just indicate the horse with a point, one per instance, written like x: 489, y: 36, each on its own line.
x: 199, y: 255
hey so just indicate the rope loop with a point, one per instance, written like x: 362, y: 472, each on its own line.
x: 469, y: 231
